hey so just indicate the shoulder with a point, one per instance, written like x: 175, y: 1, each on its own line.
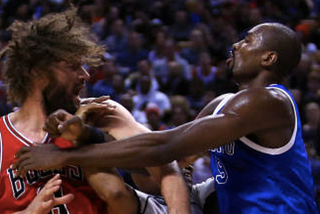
x: 261, y: 107
x: 260, y: 98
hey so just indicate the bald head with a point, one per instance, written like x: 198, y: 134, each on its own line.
x: 282, y: 40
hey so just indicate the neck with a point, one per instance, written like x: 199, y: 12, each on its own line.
x: 263, y: 79
x: 30, y: 118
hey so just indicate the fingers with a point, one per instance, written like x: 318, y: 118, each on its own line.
x: 62, y: 115
x: 100, y: 99
x: 23, y: 164
x: 22, y: 155
x: 74, y: 121
x: 23, y: 168
x: 94, y: 100
x: 51, y: 126
x: 51, y: 186
x: 94, y: 108
x: 64, y: 199
x: 22, y: 151
x: 72, y: 128
x: 53, y: 121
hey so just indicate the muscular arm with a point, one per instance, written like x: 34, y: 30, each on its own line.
x: 168, y: 177
x: 249, y: 112
x: 241, y: 116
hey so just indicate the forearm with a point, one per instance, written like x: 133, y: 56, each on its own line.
x: 159, y: 148
x: 144, y: 150
x: 125, y: 153
x: 174, y: 190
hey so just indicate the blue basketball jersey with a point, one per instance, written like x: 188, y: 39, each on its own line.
x: 255, y: 179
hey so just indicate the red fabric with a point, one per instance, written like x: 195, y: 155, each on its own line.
x: 85, y: 199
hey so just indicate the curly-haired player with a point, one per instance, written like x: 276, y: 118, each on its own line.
x: 44, y: 72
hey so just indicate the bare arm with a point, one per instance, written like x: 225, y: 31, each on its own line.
x: 241, y: 116
x: 111, y: 188
x: 173, y: 188
x: 169, y: 178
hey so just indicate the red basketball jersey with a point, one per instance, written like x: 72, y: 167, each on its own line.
x: 17, y: 193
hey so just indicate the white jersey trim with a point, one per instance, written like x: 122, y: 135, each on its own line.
x: 1, y: 151
x: 25, y: 141
x: 280, y: 150
x: 223, y: 102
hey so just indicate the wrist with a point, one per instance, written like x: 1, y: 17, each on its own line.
x: 84, y: 136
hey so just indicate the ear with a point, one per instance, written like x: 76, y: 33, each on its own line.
x: 41, y: 80
x: 269, y: 58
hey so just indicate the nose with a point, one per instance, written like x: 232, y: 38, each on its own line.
x: 84, y: 74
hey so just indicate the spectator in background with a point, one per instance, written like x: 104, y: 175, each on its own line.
x: 144, y: 68
x: 103, y: 28
x: 119, y: 88
x: 299, y: 77
x: 146, y: 93
x: 205, y: 71
x: 160, y: 66
x: 312, y: 113
x: 157, y: 51
x: 195, y: 97
x: 202, y: 169
x: 181, y: 28
x: 154, y: 121
x: 176, y: 83
x: 196, y: 46
x: 127, y: 59
x: 116, y: 42
x: 104, y: 86
x: 127, y: 101
x: 313, y: 85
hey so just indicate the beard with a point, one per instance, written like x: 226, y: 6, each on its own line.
x: 56, y: 97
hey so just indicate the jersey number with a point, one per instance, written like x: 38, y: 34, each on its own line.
x: 222, y: 175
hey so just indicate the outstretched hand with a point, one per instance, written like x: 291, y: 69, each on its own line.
x: 72, y: 127
x: 42, y: 157
x: 92, y: 112
x: 45, y: 200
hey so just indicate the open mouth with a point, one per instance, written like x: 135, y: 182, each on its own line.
x: 78, y: 89
x: 230, y: 60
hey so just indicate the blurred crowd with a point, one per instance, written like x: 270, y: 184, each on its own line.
x: 166, y: 58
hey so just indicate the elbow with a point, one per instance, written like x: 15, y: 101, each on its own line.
x: 114, y: 195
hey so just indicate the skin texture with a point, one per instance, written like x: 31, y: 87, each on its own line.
x: 255, y: 62
x: 115, y: 120
x: 45, y: 200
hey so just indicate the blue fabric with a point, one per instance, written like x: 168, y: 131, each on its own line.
x: 250, y: 181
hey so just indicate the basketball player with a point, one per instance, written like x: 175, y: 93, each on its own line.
x: 40, y: 81
x: 44, y: 73
x: 258, y: 156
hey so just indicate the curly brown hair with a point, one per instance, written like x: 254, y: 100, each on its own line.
x: 37, y: 45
